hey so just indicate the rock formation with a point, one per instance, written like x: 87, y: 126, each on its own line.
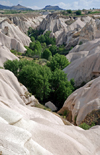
x: 5, y: 55
x: 84, y: 62
x: 26, y: 21
x: 83, y: 101
x: 25, y: 129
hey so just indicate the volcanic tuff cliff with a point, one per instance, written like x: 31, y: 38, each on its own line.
x: 12, y: 34
x: 25, y: 129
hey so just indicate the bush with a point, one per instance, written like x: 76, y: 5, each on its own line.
x: 78, y: 12
x: 46, y: 54
x: 15, y: 52
x: 58, y: 62
x: 41, y: 81
x: 69, y: 11
x: 86, y: 126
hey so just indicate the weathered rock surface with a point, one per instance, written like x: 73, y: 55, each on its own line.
x: 51, y: 106
x: 84, y: 62
x: 12, y: 37
x: 25, y: 129
x: 84, y: 100
x: 64, y: 29
x: 26, y: 21
x: 5, y: 55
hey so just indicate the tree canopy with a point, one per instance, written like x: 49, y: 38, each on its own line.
x: 58, y: 61
x: 41, y: 81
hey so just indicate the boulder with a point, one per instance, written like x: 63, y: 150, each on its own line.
x: 51, y: 106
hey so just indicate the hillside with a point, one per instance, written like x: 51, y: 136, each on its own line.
x: 17, y: 7
x: 58, y: 66
x: 49, y: 7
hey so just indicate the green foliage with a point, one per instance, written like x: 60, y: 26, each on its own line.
x: 53, y: 49
x: 86, y: 126
x: 93, y: 12
x: 41, y: 38
x: 12, y: 66
x: 46, y: 38
x: 46, y: 54
x: 78, y: 12
x: 31, y: 46
x: 69, y: 11
x: 36, y: 78
x: 32, y: 39
x: 34, y: 33
x: 61, y: 87
x: 58, y: 61
x: 41, y: 81
x: 11, y: 12
x: 38, y: 46
x: 34, y: 49
x: 15, y: 52
x: 65, y: 113
x: 80, y: 43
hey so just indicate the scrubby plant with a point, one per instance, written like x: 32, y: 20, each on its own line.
x: 78, y: 12
x: 86, y: 126
x: 69, y: 11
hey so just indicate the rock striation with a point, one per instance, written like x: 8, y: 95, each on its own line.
x: 83, y: 101
x: 5, y: 55
x: 84, y: 62
x: 25, y: 129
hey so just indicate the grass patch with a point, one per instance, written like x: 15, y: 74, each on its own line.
x: 86, y: 126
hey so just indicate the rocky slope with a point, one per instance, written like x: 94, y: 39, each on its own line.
x: 12, y: 34
x: 25, y: 129
x: 5, y: 55
x: 84, y: 62
x: 83, y: 101
x: 27, y: 20
x: 49, y: 7
x: 17, y: 7
x: 66, y: 30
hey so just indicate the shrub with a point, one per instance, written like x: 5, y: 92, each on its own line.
x: 46, y: 54
x: 58, y: 61
x: 86, y: 126
x: 69, y: 11
x: 78, y: 12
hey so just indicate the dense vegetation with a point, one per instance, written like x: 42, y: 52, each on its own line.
x: 47, y: 81
x: 43, y: 45
x: 78, y: 12
x: 41, y: 81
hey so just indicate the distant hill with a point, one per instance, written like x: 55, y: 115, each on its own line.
x: 17, y: 7
x: 49, y: 7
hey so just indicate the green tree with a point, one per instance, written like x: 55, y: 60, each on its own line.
x: 32, y: 39
x: 31, y: 46
x: 41, y: 38
x: 12, y: 66
x: 36, y: 79
x: 58, y: 61
x: 78, y: 12
x: 53, y: 49
x: 61, y: 88
x: 46, y: 54
x: 69, y: 11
